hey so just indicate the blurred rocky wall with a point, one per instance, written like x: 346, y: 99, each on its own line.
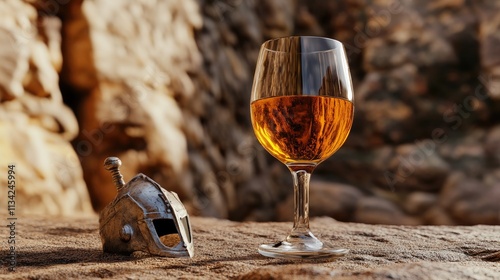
x: 424, y: 145
x: 36, y: 127
x: 126, y: 75
x: 165, y: 86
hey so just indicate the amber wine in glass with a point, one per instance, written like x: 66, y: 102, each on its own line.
x: 302, y: 111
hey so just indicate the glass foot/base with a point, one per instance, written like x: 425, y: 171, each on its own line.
x: 286, y: 250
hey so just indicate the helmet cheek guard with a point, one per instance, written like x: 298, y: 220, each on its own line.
x: 144, y: 217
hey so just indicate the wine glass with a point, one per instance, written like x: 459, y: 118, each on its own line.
x: 302, y: 111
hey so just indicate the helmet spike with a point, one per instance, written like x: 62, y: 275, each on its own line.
x: 112, y: 164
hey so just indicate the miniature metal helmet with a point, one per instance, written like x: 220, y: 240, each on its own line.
x: 144, y: 217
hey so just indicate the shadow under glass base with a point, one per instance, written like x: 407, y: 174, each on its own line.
x: 301, y: 247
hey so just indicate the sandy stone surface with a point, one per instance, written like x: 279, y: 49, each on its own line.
x: 66, y: 248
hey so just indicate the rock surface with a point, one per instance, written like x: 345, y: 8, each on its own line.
x: 53, y: 248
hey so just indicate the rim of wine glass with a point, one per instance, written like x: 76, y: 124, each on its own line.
x: 338, y: 44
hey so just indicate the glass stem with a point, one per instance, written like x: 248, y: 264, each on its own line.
x: 301, y: 178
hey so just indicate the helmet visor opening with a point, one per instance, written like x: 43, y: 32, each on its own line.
x: 167, y: 232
